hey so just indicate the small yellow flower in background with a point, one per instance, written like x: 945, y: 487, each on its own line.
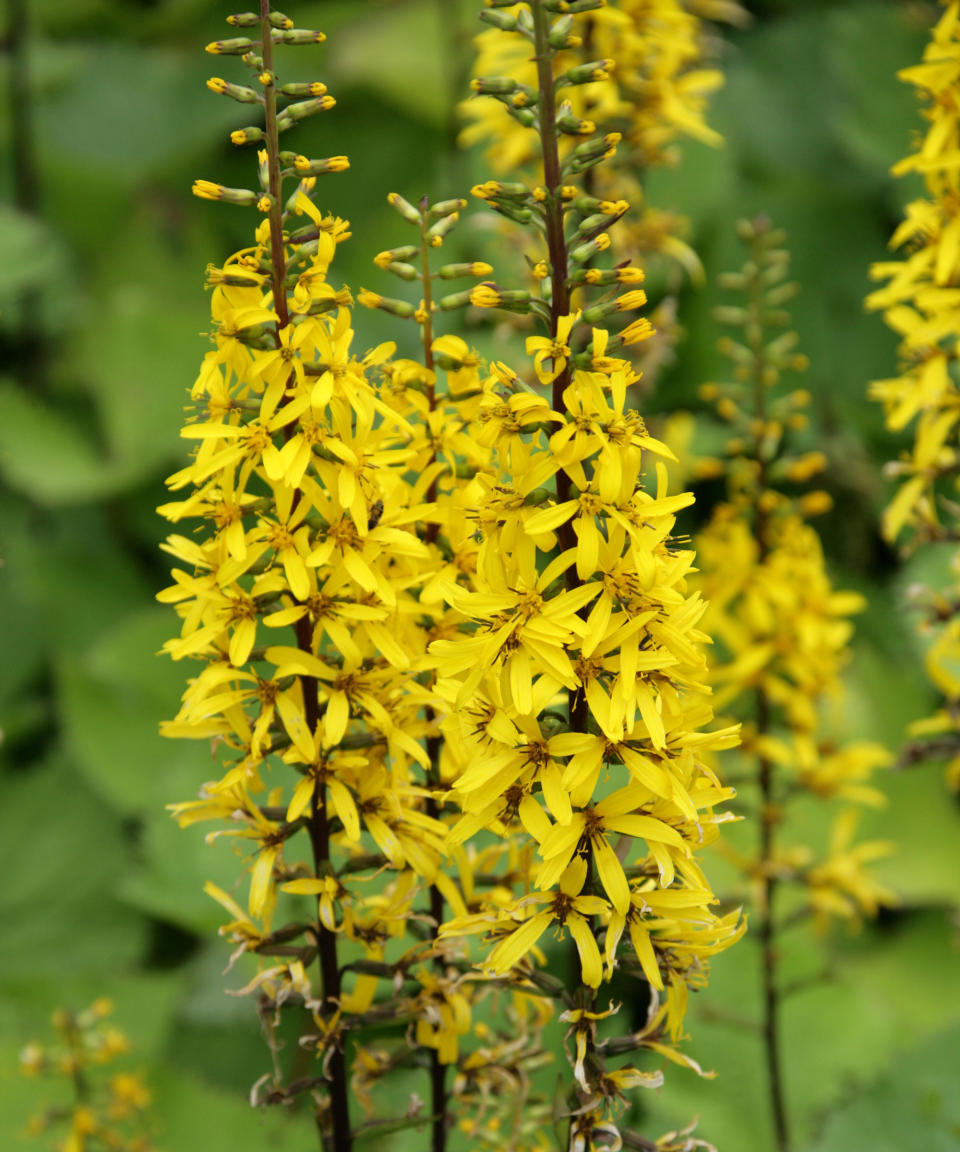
x: 783, y: 634
x: 104, y: 1111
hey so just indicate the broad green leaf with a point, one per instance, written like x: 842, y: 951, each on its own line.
x: 31, y: 256
x: 912, y: 1105
x: 50, y: 456
x: 112, y: 699
x: 63, y: 856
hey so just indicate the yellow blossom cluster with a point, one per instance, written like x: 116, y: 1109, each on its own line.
x: 782, y: 635
x: 919, y: 302
x: 782, y: 630
x: 106, y: 1112
x: 449, y: 656
x: 576, y: 721
x: 324, y: 501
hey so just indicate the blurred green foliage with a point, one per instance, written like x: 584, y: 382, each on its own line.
x: 101, y: 313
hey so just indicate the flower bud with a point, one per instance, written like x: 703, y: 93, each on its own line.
x: 235, y: 91
x: 404, y: 252
x: 455, y: 300
x: 559, y: 36
x: 476, y: 268
x: 207, y: 190
x: 395, y: 307
x: 296, y: 36
x: 525, y: 116
x: 305, y: 167
x: 404, y: 207
x: 502, y: 20
x: 246, y: 136
x: 498, y: 189
x: 403, y: 270
x: 584, y: 252
x: 293, y: 113
x: 591, y: 152
x: 490, y: 296
x: 314, y: 88
x: 493, y: 85
x: 244, y: 20
x: 591, y: 72
x: 235, y: 47
x: 445, y: 207
x: 278, y: 20
x: 437, y: 231
x: 573, y: 125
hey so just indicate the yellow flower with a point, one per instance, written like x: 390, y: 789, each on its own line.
x: 555, y: 349
x: 570, y: 909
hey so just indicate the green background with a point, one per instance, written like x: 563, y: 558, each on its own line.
x: 102, y: 310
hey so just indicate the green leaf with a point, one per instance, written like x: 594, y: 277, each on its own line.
x: 143, y: 353
x: 411, y: 38
x: 913, y: 1105
x: 63, y: 856
x: 133, y: 111
x: 879, y: 112
x: 30, y: 255
x: 831, y: 1031
x: 112, y: 699
x: 49, y: 456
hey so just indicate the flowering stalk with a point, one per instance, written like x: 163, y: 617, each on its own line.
x: 637, y: 68
x: 103, y: 1114
x: 579, y: 657
x: 444, y: 415
x: 299, y: 472
x: 782, y: 631
x: 917, y: 304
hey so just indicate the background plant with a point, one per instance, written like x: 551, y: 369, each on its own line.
x: 96, y: 1109
x: 783, y: 635
x: 811, y: 124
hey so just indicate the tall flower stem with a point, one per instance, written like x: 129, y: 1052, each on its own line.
x: 438, y: 1071
x: 558, y: 258
x: 766, y: 932
x: 338, y: 1139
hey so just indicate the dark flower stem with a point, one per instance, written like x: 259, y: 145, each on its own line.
x: 766, y: 931
x: 338, y: 1138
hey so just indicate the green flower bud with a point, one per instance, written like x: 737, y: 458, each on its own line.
x: 445, y: 207
x: 404, y: 271
x: 444, y: 225
x: 314, y: 88
x: 560, y: 32
x: 588, y: 73
x: 404, y: 207
x: 238, y: 92
x: 385, y: 304
x: 236, y: 47
x: 301, y: 110
x: 455, y: 300
x: 296, y: 36
x: 502, y: 20
x: 251, y: 135
x: 493, y: 85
